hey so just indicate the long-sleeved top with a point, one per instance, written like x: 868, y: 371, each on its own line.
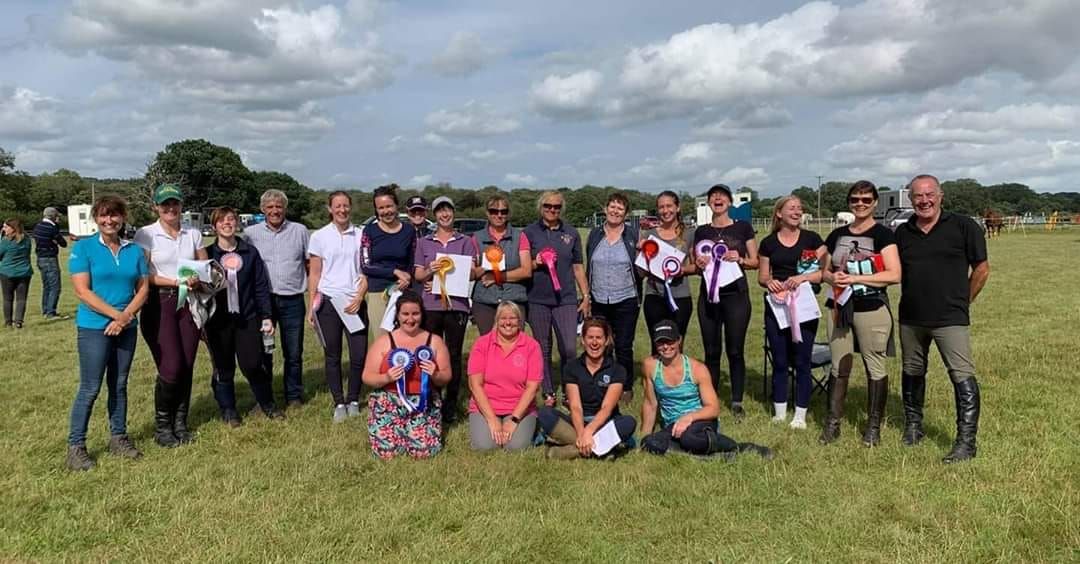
x: 252, y: 282
x: 381, y: 253
x: 48, y: 239
x: 15, y: 258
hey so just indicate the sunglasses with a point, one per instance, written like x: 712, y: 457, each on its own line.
x: 499, y: 211
x: 553, y: 207
x: 862, y: 200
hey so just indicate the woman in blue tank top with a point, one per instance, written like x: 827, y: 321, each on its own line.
x: 681, y: 388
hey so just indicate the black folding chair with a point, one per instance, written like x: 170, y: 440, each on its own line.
x: 820, y: 367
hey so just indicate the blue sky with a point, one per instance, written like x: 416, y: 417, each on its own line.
x: 648, y: 95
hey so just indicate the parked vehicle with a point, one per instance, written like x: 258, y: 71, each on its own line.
x: 895, y: 216
x: 468, y: 226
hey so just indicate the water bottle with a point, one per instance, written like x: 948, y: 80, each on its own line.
x: 268, y: 343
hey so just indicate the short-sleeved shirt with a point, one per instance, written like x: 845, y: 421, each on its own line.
x: 505, y: 375
x: 735, y: 237
x: 593, y: 386
x: 340, y: 255
x: 845, y: 246
x: 284, y: 251
x: 935, y: 287
x: 680, y: 287
x: 566, y: 241
x: 784, y: 261
x: 166, y: 251
x: 426, y: 250
x: 612, y: 277
x: 113, y: 277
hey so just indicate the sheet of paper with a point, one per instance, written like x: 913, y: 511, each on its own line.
x: 315, y: 317
x: 728, y: 273
x: 352, y: 322
x: 457, y: 280
x: 605, y: 439
x: 806, y: 307
x: 202, y: 267
x: 387, y: 323
x: 486, y: 264
x: 656, y: 265
x: 844, y: 296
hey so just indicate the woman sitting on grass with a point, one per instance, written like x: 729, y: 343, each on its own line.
x: 594, y: 385
x: 406, y: 366
x: 682, y: 389
x: 505, y: 370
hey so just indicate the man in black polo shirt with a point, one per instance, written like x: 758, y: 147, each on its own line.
x: 944, y: 262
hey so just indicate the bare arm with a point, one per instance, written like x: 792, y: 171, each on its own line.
x: 648, y: 407
x: 476, y: 388
x: 979, y: 274
x: 523, y: 272
x: 314, y: 277
x: 81, y: 283
x: 607, y: 406
x: 372, y: 375
x: 710, y: 405
x: 583, y: 287
x: 577, y: 414
x: 750, y: 261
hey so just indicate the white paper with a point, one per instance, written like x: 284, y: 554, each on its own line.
x: 318, y: 327
x: 728, y: 273
x: 457, y: 280
x: 806, y: 307
x: 387, y: 323
x: 486, y: 264
x: 352, y: 321
x: 202, y: 267
x: 655, y: 266
x: 605, y: 439
x: 844, y: 296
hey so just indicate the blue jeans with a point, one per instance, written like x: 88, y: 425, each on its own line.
x: 288, y: 313
x: 102, y: 358
x: 786, y: 353
x: 50, y: 284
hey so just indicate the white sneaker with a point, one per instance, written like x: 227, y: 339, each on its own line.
x: 779, y: 418
x: 340, y: 413
x: 798, y: 424
x: 353, y: 409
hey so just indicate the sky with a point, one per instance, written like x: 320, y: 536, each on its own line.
x: 639, y: 94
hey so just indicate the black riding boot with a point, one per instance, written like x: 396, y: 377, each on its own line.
x: 877, y: 394
x: 837, y: 395
x: 163, y: 417
x: 967, y: 420
x: 913, y: 391
x: 183, y: 405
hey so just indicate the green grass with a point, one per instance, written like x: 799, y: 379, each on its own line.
x: 308, y: 490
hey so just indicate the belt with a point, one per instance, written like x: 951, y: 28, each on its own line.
x: 167, y: 290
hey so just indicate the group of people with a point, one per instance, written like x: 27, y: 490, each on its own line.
x: 387, y: 282
x: 16, y: 271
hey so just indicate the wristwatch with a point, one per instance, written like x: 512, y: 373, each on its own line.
x: 515, y: 419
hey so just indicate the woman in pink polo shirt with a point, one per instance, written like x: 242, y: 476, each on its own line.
x: 505, y: 371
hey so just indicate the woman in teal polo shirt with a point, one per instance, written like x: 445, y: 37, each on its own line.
x: 110, y: 277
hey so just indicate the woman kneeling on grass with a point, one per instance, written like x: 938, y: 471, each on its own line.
x: 505, y: 370
x: 110, y: 277
x: 682, y: 388
x: 594, y: 384
x: 406, y: 366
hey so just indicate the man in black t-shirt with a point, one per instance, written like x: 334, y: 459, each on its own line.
x: 944, y: 263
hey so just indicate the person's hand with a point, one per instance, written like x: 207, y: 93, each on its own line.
x: 701, y: 261
x: 681, y: 425
x: 842, y: 279
x: 113, y: 329
x: 395, y: 373
x: 428, y: 366
x: 354, y: 305
x: 731, y: 256
x: 775, y: 286
x: 124, y: 319
x: 793, y: 282
x: 403, y: 280
x: 427, y: 286
x: 496, y: 430
x: 537, y: 264
x: 585, y: 307
x: 267, y: 327
x: 508, y: 428
x: 584, y: 443
x: 487, y: 279
x: 192, y: 282
x: 311, y: 318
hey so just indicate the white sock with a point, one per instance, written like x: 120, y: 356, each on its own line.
x: 780, y: 410
x: 800, y: 415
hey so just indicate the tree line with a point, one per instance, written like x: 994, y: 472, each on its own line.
x: 212, y: 175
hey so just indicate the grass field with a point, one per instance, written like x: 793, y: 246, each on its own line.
x: 305, y: 489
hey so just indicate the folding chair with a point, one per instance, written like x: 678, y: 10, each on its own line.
x: 820, y: 367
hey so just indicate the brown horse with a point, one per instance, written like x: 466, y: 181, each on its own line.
x: 992, y: 223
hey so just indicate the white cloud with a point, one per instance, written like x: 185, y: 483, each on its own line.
x: 434, y: 140
x: 568, y: 97
x: 520, y: 180
x: 743, y: 120
x: 484, y: 155
x: 473, y: 120
x: 27, y: 115
x: 420, y: 180
x: 465, y: 55
x: 396, y: 143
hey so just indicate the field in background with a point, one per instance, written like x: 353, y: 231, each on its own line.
x: 305, y: 489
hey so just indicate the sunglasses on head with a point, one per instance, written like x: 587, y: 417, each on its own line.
x: 553, y: 207
x: 499, y: 211
x: 860, y: 200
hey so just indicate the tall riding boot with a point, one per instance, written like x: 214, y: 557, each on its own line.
x: 877, y: 394
x: 183, y: 405
x: 913, y: 391
x: 163, y: 428
x: 837, y: 395
x: 967, y: 421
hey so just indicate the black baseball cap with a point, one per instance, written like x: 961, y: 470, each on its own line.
x: 416, y: 202
x: 666, y: 330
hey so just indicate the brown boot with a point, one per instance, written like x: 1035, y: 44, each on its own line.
x: 564, y: 452
x: 837, y: 395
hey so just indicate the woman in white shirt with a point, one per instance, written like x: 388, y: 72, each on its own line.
x: 337, y: 298
x: 166, y: 322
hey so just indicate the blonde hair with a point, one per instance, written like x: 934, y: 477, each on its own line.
x: 779, y: 205
x: 546, y: 195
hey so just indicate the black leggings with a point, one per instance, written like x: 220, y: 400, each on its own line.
x: 332, y: 329
x: 549, y: 417
x: 450, y: 325
x: 724, y: 324
x: 701, y: 437
x: 657, y: 309
x: 230, y: 340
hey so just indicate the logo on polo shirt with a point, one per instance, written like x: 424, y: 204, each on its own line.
x: 566, y: 238
x: 605, y: 379
x: 519, y: 360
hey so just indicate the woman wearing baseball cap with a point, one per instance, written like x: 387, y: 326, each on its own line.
x: 681, y: 389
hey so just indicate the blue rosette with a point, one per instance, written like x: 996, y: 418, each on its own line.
x: 404, y: 359
x: 424, y: 352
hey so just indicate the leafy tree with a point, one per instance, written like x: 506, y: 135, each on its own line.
x: 209, y: 175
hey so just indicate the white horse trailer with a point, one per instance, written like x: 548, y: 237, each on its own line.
x: 80, y: 224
